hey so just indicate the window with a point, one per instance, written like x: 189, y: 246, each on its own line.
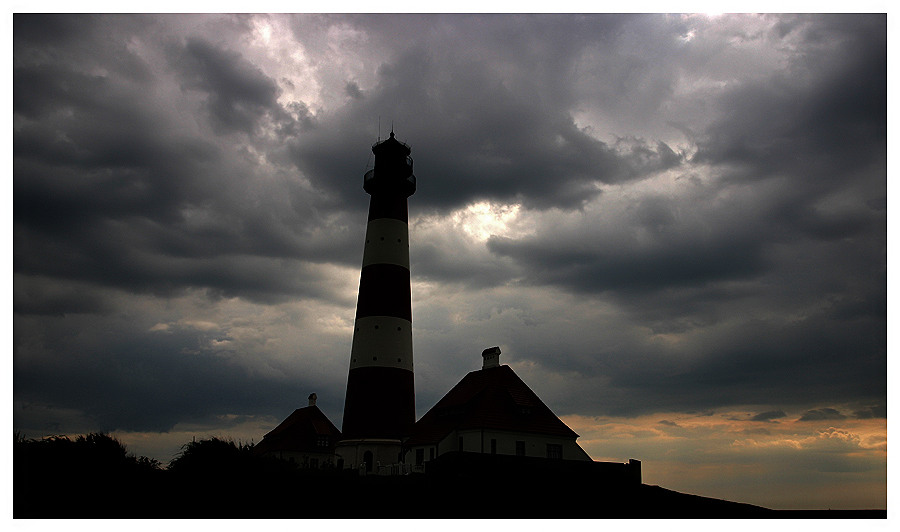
x: 420, y: 456
x: 554, y: 450
x: 322, y: 441
x: 314, y: 463
x: 520, y: 448
x: 493, y: 446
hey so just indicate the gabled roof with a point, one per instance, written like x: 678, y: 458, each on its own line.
x: 299, y: 432
x: 490, y: 398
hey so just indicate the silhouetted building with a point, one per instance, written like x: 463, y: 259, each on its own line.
x: 379, y: 408
x: 307, y: 437
x: 492, y: 411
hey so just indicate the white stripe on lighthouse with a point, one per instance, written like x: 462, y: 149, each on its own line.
x: 387, y: 242
x: 382, y: 341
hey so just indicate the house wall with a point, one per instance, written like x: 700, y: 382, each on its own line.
x: 352, y: 452
x: 527, y: 473
x: 479, y: 441
x: 311, y: 460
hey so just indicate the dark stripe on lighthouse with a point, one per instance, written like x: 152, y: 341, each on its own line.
x: 382, y: 206
x: 377, y: 391
x: 384, y: 291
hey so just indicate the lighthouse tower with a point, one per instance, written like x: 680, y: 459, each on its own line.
x: 379, y: 408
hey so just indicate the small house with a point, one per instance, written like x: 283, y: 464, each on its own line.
x: 491, y: 411
x: 307, y: 438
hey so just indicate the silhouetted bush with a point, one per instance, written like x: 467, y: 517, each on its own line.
x: 94, y: 453
x: 213, y: 456
x: 226, y: 479
x: 90, y: 476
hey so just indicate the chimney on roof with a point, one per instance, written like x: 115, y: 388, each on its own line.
x: 491, y: 357
x: 312, y: 399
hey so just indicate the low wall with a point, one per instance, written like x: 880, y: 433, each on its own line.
x: 479, y: 466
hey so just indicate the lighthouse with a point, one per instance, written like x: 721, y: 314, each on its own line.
x: 379, y: 408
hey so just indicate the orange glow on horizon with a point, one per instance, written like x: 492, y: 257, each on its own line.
x: 729, y: 455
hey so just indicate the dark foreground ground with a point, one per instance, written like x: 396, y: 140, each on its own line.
x: 305, y: 496
x: 93, y: 477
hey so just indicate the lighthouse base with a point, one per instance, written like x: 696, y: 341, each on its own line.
x: 370, y: 456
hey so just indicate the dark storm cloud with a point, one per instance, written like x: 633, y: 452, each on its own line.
x: 769, y: 416
x: 674, y: 262
x: 870, y: 412
x: 818, y: 360
x: 820, y: 133
x: 46, y: 28
x: 716, y: 252
x: 101, y: 260
x: 239, y: 94
x: 56, y: 298
x: 148, y: 381
x: 95, y: 160
x: 480, y: 135
x: 107, y: 186
x: 819, y: 414
x: 822, y: 120
x: 353, y: 90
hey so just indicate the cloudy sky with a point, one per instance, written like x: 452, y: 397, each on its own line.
x: 673, y: 226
